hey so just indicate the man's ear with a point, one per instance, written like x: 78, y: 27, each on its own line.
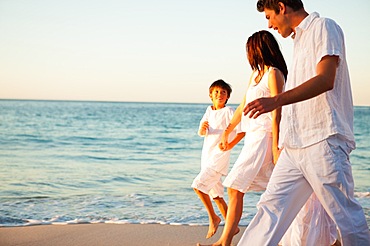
x: 282, y: 8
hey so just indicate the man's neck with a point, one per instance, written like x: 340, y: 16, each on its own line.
x: 297, y: 17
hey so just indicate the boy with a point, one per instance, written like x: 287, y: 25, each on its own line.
x: 214, y: 162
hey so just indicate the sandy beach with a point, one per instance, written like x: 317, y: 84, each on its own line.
x: 108, y: 234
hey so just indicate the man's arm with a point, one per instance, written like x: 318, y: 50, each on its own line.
x: 322, y: 82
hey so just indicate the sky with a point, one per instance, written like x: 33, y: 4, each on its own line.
x: 150, y: 51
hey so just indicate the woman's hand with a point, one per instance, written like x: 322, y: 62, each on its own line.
x: 276, y: 153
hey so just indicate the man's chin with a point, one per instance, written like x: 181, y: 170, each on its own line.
x: 286, y: 34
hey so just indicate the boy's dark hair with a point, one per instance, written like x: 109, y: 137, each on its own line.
x: 274, y: 5
x: 222, y: 84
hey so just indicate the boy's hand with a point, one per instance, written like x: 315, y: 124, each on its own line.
x: 204, y: 128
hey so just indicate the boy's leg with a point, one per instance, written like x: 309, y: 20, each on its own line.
x: 329, y: 172
x: 222, y: 206
x: 217, y: 193
x: 286, y: 193
x: 208, y: 184
x: 214, y: 220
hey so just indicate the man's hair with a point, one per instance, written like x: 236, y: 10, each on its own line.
x: 274, y: 5
x: 222, y: 84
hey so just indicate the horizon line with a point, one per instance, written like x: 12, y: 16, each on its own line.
x: 117, y: 101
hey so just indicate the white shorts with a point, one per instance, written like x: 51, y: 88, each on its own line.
x: 253, y: 168
x: 209, y: 182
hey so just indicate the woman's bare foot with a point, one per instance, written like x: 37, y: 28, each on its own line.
x: 213, y: 225
x: 215, y: 244
x: 237, y: 231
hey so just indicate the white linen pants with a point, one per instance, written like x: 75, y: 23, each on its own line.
x: 311, y: 227
x: 323, y: 168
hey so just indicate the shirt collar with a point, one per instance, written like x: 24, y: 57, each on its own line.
x: 306, y: 23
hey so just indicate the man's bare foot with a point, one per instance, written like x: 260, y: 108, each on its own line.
x: 213, y: 225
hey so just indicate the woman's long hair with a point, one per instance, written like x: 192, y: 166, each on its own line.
x: 263, y: 50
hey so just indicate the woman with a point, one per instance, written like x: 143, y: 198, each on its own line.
x: 255, y: 163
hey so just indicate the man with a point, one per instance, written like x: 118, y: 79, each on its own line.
x: 316, y: 130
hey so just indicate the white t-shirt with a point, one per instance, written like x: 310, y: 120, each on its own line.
x: 311, y: 121
x: 212, y: 156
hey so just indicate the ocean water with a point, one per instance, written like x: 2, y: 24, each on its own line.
x: 64, y: 162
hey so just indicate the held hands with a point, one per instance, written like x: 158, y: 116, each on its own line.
x: 224, y: 144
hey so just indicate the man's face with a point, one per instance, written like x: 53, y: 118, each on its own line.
x: 278, y: 22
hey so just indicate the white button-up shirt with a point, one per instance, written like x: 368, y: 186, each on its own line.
x: 308, y: 122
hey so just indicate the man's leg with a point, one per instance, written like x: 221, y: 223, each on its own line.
x: 311, y: 227
x: 286, y: 193
x: 329, y: 172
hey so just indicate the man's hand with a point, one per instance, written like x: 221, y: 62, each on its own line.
x: 260, y: 106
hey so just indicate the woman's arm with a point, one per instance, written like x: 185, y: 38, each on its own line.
x: 276, y: 85
x: 233, y: 123
x: 239, y: 136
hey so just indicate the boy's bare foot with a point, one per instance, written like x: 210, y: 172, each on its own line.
x: 213, y: 225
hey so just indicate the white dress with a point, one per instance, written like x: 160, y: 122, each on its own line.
x: 253, y: 168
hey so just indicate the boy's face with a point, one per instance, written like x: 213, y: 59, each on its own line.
x: 219, y: 97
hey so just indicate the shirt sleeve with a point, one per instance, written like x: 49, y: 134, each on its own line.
x: 329, y: 39
x: 204, y: 118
